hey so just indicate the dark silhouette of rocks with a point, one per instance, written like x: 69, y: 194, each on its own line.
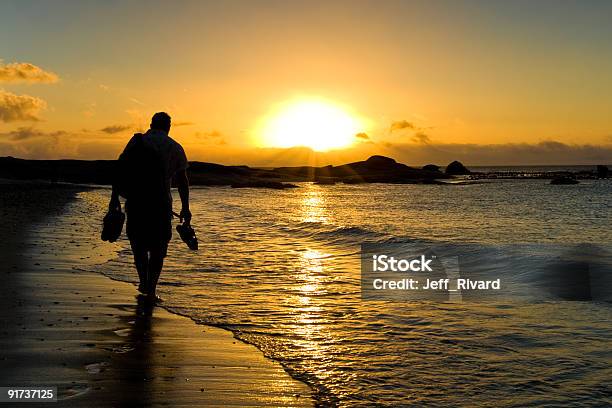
x: 564, y: 180
x: 431, y: 167
x: 376, y: 169
x: 353, y: 180
x: 456, y: 168
x: 101, y: 172
x: 325, y: 181
x: 602, y: 171
x: 277, y: 185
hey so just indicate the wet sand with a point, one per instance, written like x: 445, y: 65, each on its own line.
x: 101, y: 345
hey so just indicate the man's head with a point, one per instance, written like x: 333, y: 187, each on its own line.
x: 161, y: 121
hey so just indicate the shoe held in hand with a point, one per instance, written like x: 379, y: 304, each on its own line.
x: 188, y: 235
x: 112, y: 225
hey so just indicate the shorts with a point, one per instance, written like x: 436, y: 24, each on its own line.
x: 149, y: 226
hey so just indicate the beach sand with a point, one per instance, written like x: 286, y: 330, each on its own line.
x: 101, y: 345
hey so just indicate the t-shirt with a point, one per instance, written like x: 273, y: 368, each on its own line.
x: 170, y: 152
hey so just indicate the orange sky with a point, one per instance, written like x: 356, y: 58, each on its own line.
x: 484, y: 81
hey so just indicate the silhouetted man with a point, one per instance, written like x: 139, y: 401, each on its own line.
x: 160, y: 159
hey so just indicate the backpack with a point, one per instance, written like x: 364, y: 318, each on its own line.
x: 140, y: 174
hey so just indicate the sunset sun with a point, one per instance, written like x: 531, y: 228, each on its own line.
x: 317, y: 124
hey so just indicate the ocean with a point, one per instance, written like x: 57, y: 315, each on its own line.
x: 281, y: 270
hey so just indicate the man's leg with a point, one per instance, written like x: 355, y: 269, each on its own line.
x: 141, y: 260
x: 156, y: 263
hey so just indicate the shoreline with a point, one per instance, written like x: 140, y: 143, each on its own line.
x: 89, y: 335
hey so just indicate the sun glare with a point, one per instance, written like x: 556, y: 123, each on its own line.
x: 317, y: 124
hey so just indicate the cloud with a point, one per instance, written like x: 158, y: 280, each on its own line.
x: 136, y: 101
x: 544, y: 153
x: 33, y: 143
x: 362, y: 135
x: 412, y: 154
x: 182, y: 123
x: 25, y: 133
x: 209, y: 135
x: 40, y: 148
x: 20, y: 107
x: 401, y: 124
x: 28, y: 142
x: 553, y: 145
x: 112, y: 129
x: 20, y: 72
x: 421, y: 137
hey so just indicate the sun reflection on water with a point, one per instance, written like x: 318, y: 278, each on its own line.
x: 314, y: 206
x: 306, y: 304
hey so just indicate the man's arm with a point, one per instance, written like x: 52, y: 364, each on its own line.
x: 182, y: 183
x: 114, y: 201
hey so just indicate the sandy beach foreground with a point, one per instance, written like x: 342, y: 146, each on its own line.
x: 101, y: 346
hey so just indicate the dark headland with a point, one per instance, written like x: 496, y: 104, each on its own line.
x: 376, y: 169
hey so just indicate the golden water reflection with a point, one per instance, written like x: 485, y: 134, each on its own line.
x: 306, y: 303
x: 314, y: 205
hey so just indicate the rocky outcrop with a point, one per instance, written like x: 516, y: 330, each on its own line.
x: 431, y: 167
x: 564, y: 180
x: 456, y: 168
x: 264, y: 184
x: 602, y: 171
x: 376, y: 169
x: 325, y: 181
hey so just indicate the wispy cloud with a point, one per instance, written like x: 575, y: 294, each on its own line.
x: 20, y: 107
x: 25, y: 133
x: 362, y: 135
x: 136, y: 101
x: 24, y: 72
x: 419, y: 134
x: 209, y: 135
x: 29, y: 142
x: 400, y: 125
x: 112, y: 129
x: 34, y: 143
x: 182, y: 123
x: 421, y: 137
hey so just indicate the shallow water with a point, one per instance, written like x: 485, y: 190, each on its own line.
x: 281, y: 270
